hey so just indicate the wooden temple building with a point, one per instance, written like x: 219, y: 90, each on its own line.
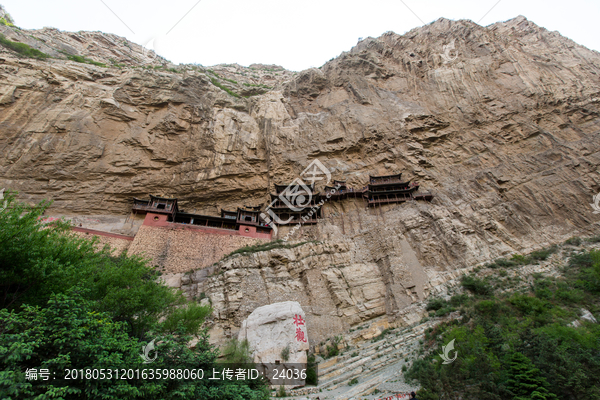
x: 382, y: 189
x: 162, y: 211
x: 290, y: 205
x: 342, y: 192
x: 296, y: 207
x: 386, y: 189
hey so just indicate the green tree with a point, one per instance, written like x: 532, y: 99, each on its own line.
x: 68, y: 306
x: 69, y: 335
x: 525, y: 381
x: 238, y: 352
x: 38, y: 259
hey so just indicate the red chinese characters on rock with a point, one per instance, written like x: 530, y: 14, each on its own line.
x: 298, y: 320
x: 300, y: 335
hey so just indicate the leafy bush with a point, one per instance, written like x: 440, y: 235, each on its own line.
x: 311, y: 370
x: 237, y: 352
x: 443, y: 311
x: 435, y: 304
x: 225, y: 88
x: 488, y: 307
x: 511, y: 346
x: 6, y: 22
x: 542, y: 254
x: 353, y: 381
x: 589, y: 277
x: 84, y: 60
x: 593, y: 239
x: 459, y: 299
x: 332, y: 349
x: 476, y: 285
x: 581, y: 260
x: 22, y: 48
x: 281, y: 392
x: 502, y: 263
x: 519, y: 259
x: 529, y: 305
x: 574, y: 241
x: 285, y: 353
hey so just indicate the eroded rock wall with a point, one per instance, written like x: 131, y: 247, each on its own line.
x: 180, y: 250
x: 505, y: 134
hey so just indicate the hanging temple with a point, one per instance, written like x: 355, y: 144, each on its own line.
x: 289, y: 205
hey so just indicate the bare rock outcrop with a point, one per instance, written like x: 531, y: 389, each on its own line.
x: 275, y: 329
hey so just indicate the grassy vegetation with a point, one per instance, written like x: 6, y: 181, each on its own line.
x: 220, y: 86
x: 574, y: 241
x: 593, y: 239
x: 257, y: 85
x: 332, y: 349
x: 237, y: 352
x: 277, y: 244
x: 439, y: 307
x: 22, y: 48
x: 5, y: 22
x: 518, y: 344
x: 517, y: 259
x: 281, y: 392
x: 85, y: 60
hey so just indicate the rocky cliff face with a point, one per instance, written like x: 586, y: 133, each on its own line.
x: 501, y: 122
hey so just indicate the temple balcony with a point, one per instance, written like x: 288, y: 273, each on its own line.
x: 149, y: 208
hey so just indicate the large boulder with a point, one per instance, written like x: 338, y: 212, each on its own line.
x: 273, y: 328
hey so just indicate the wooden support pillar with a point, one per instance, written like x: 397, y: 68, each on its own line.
x: 358, y: 214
